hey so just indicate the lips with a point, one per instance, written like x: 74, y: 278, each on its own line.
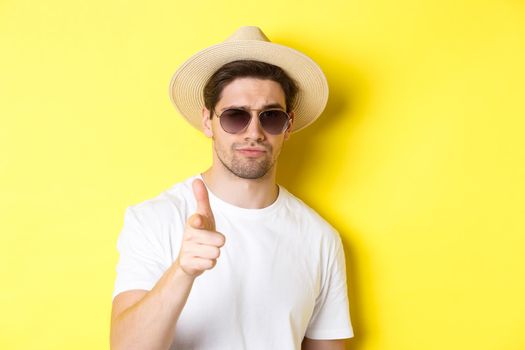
x: 251, y: 152
x: 250, y: 149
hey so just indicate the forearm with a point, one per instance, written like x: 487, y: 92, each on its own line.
x: 150, y: 323
x: 324, y: 344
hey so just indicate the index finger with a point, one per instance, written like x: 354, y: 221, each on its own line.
x: 203, y: 202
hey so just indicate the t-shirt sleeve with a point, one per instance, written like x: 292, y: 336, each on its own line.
x: 141, y: 260
x: 331, y: 316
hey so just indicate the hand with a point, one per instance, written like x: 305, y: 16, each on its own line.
x: 200, y: 244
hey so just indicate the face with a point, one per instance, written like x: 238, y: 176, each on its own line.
x: 252, y: 153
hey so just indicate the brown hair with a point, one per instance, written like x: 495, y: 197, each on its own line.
x: 248, y: 68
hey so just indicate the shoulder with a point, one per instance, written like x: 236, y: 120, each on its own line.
x: 309, y: 219
x: 169, y: 205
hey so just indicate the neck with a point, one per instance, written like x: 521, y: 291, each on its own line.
x: 245, y: 193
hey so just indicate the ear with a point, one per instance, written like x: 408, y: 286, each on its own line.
x: 289, y: 129
x: 206, y: 122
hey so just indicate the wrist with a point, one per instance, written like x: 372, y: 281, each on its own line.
x: 180, y: 274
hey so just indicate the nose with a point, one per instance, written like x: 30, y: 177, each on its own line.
x: 254, y: 130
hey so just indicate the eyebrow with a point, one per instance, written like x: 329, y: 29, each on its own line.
x: 271, y: 105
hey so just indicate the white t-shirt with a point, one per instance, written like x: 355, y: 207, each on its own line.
x: 281, y: 274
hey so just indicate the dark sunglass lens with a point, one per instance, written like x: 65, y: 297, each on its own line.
x: 234, y: 120
x: 274, y: 121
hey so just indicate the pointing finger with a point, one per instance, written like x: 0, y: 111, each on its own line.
x: 203, y: 202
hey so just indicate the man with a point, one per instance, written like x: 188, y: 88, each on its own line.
x: 228, y: 259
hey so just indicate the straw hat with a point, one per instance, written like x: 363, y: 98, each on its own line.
x: 187, y: 84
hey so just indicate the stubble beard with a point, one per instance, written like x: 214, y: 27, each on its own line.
x: 245, y: 167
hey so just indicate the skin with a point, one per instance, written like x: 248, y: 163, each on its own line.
x: 146, y: 319
x: 226, y: 176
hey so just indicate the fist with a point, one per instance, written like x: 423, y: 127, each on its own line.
x: 201, y: 243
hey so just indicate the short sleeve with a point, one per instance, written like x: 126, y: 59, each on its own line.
x: 141, y: 260
x: 331, y: 316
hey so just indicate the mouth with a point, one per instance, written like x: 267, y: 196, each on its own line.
x: 251, y: 152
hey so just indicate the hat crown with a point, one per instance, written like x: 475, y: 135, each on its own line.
x: 248, y: 33
x: 249, y: 43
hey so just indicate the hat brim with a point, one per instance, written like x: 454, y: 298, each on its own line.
x: 187, y: 84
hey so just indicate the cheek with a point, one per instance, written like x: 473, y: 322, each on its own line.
x: 221, y: 144
x: 277, y: 147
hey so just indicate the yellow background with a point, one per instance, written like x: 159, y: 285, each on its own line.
x: 418, y: 159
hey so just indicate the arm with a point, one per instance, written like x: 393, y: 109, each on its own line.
x: 146, y: 320
x: 323, y: 344
x: 330, y: 324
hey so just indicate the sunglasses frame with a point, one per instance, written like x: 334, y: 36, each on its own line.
x: 286, y: 124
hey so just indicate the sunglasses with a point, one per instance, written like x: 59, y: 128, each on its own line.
x: 273, y: 121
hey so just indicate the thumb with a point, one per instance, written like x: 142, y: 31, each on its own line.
x: 203, y: 203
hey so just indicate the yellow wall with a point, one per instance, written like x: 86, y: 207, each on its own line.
x: 418, y: 160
